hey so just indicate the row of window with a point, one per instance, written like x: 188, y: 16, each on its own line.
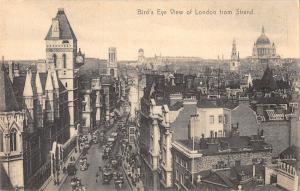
x: 12, y: 140
x: 216, y: 134
x: 221, y: 119
x: 59, y: 46
x: 64, y: 56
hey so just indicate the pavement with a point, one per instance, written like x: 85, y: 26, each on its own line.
x: 49, y: 184
x: 127, y: 169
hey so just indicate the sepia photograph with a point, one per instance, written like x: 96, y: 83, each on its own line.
x: 140, y: 95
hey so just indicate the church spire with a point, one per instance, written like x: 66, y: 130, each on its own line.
x: 28, y: 91
x: 233, y: 51
x: 8, y: 100
x: 55, y: 80
x: 39, y: 89
x: 263, y: 29
x: 49, y: 84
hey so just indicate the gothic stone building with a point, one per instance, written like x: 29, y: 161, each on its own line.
x: 40, y: 109
x: 34, y: 114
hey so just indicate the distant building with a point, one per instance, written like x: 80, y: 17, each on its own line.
x: 210, y: 121
x: 234, y: 64
x: 271, y: 100
x: 88, y: 111
x: 263, y: 50
x: 112, y: 66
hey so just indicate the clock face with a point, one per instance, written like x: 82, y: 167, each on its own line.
x: 79, y: 59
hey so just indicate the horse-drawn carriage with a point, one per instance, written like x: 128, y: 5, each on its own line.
x: 83, y: 165
x: 71, y: 169
x: 119, y: 180
x: 76, y: 184
x: 106, y: 153
x: 107, y: 175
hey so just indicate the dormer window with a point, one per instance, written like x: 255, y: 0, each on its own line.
x: 55, y: 28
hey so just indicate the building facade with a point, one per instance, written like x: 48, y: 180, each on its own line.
x: 192, y: 160
x: 63, y: 56
x: 264, y: 51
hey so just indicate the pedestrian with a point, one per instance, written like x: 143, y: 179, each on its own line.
x: 97, y: 175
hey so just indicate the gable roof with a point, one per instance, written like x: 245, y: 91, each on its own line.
x: 65, y: 29
x: 8, y: 100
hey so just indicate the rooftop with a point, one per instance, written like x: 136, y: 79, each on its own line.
x: 7, y: 96
x: 65, y: 29
x: 231, y: 178
x: 221, y: 145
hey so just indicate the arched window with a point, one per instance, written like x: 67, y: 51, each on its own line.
x: 13, y: 140
x: 112, y: 72
x: 65, y: 60
x: 1, y: 141
x: 54, y: 60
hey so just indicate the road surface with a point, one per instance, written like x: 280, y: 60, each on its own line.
x: 88, y: 177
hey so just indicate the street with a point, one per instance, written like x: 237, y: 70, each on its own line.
x: 94, y: 158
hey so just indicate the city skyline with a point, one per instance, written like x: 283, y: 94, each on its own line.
x: 118, y: 24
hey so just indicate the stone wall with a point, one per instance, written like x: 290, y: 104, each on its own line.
x: 246, y: 118
x: 277, y: 133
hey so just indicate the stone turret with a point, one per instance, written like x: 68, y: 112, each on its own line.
x: 28, y: 94
x: 56, y: 93
x: 49, y: 93
x: 39, y: 105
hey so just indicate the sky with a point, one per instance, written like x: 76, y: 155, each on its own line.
x: 99, y: 25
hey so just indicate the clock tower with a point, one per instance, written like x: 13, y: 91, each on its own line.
x: 62, y: 56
